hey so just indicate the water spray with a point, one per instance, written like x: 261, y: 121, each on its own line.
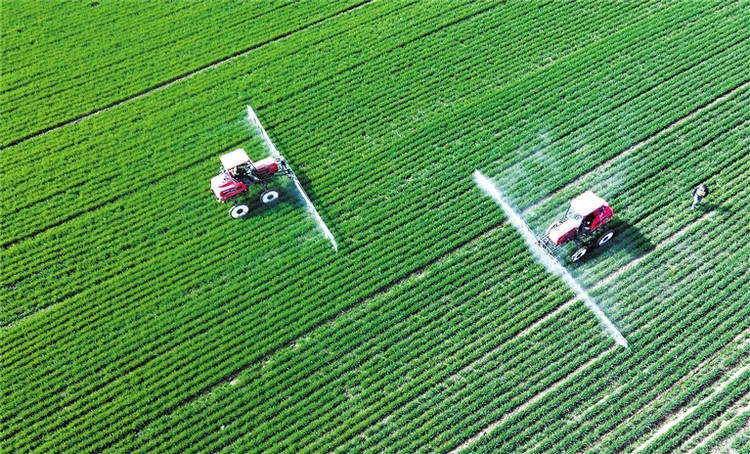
x: 275, y: 153
x: 552, y: 265
x: 266, y: 140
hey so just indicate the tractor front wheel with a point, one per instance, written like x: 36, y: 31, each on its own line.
x: 269, y: 196
x: 238, y: 211
x: 606, y: 236
x: 578, y: 254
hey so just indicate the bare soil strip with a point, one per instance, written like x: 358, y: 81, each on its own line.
x: 688, y: 411
x: 739, y: 339
x: 569, y: 303
x: 419, y: 271
x: 381, y: 291
x: 740, y: 409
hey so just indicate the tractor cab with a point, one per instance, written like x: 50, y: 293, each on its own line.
x: 587, y: 213
x: 229, y: 182
x: 238, y: 172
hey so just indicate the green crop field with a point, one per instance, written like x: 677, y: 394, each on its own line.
x: 137, y: 317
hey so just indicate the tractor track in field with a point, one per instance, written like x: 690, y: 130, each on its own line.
x: 384, y: 289
x: 387, y: 287
x: 679, y: 415
x: 700, y: 438
x: 229, y: 378
x: 713, y: 357
x: 479, y: 434
x: 740, y: 410
x: 555, y: 312
x: 364, y: 300
x: 185, y: 76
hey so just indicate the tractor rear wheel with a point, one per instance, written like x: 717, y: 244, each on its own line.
x: 578, y: 254
x: 606, y: 236
x: 269, y: 196
x: 238, y: 211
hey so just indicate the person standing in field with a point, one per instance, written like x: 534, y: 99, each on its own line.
x: 699, y: 192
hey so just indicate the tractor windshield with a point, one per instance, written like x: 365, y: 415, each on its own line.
x: 575, y: 216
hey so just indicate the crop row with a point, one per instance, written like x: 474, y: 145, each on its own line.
x: 50, y: 255
x: 69, y: 87
x: 437, y: 409
x: 444, y: 131
x: 710, y: 138
x: 117, y: 334
x: 84, y: 181
x: 168, y: 157
x: 290, y: 375
x: 702, y: 415
x: 682, y: 315
x: 206, y: 357
x: 53, y: 252
x: 736, y: 429
x: 654, y: 292
x: 453, y: 189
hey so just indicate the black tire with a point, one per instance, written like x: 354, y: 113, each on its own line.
x: 269, y: 196
x: 578, y: 254
x: 606, y: 236
x: 238, y: 211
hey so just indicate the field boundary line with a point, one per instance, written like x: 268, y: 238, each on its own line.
x: 555, y: 312
x: 697, y: 368
x: 15, y: 241
x: 185, y: 76
x: 735, y: 341
x: 241, y: 54
x: 666, y: 129
x: 532, y: 401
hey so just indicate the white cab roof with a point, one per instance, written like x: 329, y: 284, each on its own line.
x: 234, y: 159
x: 587, y: 203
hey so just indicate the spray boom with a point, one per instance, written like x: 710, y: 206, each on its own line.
x: 547, y: 259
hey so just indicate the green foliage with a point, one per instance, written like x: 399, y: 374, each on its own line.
x: 135, y: 316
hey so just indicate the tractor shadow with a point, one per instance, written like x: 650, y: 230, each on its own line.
x: 628, y: 241
x: 258, y: 209
x: 289, y: 196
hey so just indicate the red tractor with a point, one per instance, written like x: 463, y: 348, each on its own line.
x: 584, y: 224
x: 238, y: 173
